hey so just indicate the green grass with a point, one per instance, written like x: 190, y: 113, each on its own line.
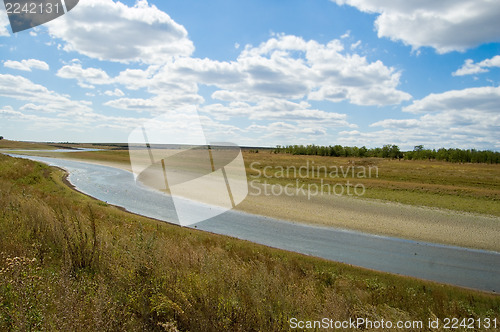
x: 68, y: 262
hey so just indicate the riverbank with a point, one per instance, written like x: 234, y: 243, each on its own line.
x: 452, y: 265
x: 463, y: 229
x: 69, y: 261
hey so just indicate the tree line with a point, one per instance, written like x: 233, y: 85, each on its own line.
x: 393, y: 152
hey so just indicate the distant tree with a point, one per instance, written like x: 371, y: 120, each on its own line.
x: 394, y: 152
x: 338, y: 150
x: 386, y: 151
x: 363, y: 151
x: 1, y: 138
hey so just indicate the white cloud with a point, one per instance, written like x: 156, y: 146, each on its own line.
x: 355, y: 45
x: 134, y: 79
x: 446, y: 25
x: 466, y: 118
x: 26, y: 65
x: 272, y: 109
x: 482, y: 99
x: 40, y: 98
x: 4, y: 22
x: 267, y: 84
x: 169, y: 90
x: 136, y: 104
x: 9, y: 113
x: 108, y: 30
x: 156, y: 104
x: 469, y: 67
x: 346, y: 35
x: 289, y: 67
x: 86, y: 77
x: 115, y: 93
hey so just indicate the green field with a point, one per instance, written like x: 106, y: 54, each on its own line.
x: 68, y: 262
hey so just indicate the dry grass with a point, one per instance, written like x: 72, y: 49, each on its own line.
x: 68, y: 262
x: 461, y: 187
x: 7, y: 144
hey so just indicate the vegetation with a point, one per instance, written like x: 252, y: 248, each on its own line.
x: 8, y: 144
x: 68, y: 262
x: 393, y: 152
x: 453, y: 155
x: 461, y: 187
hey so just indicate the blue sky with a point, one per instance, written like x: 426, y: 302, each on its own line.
x: 259, y: 73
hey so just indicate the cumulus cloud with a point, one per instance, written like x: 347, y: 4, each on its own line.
x: 289, y: 67
x: 446, y: 25
x: 4, y: 22
x: 136, y: 104
x: 272, y: 109
x: 135, y: 79
x: 482, y: 99
x: 26, y: 65
x: 86, y: 77
x: 9, y: 113
x: 274, y: 133
x: 470, y: 68
x: 40, y: 98
x: 462, y: 118
x: 108, y: 30
x: 115, y: 93
x: 271, y: 83
x: 156, y: 104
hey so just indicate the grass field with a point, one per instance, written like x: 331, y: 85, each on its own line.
x: 462, y: 187
x: 68, y: 262
x: 6, y: 144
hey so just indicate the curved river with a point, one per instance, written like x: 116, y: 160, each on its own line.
x: 476, y: 269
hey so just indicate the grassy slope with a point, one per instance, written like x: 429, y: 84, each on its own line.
x: 68, y: 262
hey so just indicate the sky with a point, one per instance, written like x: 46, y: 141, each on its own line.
x: 259, y: 72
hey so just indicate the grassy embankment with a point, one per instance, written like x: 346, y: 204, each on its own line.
x: 68, y: 262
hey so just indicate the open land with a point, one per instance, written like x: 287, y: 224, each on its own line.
x: 68, y: 261
x: 440, y: 202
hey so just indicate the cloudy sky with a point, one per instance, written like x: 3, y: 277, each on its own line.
x: 260, y: 72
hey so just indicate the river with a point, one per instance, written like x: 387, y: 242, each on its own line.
x: 478, y: 269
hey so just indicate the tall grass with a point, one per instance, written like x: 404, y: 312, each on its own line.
x: 70, y: 263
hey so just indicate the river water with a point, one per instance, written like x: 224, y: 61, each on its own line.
x: 476, y: 269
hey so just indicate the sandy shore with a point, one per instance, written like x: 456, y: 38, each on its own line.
x: 372, y: 216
